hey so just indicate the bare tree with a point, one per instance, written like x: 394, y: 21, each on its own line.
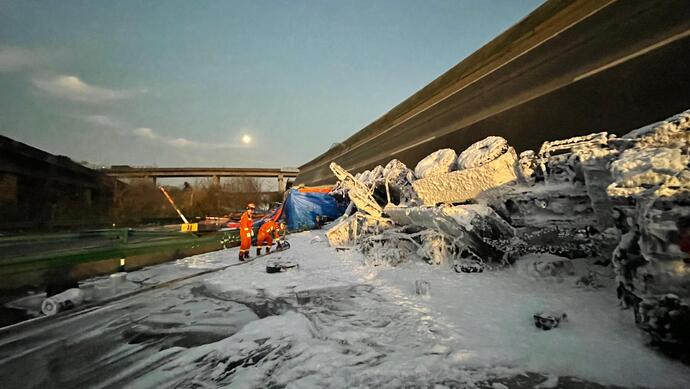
x: 142, y: 199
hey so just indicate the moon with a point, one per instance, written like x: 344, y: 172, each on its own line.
x: 246, y: 139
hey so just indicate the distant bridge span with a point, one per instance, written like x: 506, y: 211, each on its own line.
x: 214, y: 172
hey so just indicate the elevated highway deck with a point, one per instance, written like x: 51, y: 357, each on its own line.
x: 214, y: 172
x: 567, y: 69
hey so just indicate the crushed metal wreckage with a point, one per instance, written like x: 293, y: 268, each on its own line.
x: 623, y: 200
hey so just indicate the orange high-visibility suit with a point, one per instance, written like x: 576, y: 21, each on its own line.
x: 245, y: 232
x: 267, y: 232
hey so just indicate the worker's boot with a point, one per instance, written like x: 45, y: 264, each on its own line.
x: 258, y: 251
x: 246, y: 254
x: 241, y: 256
x: 268, y: 250
x: 279, y: 246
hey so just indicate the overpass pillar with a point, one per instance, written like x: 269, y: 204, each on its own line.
x: 281, y: 183
x: 117, y: 186
x: 8, y: 189
x: 88, y: 198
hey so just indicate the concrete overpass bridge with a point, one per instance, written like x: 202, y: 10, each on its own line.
x: 571, y: 67
x: 281, y: 174
x: 42, y: 190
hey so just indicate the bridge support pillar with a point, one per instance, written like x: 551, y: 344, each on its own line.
x: 8, y: 189
x: 281, y: 183
x: 88, y: 198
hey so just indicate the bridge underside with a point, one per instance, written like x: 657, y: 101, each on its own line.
x: 569, y: 68
x: 42, y: 190
x: 127, y: 172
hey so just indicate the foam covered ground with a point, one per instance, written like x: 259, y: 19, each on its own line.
x: 337, y: 323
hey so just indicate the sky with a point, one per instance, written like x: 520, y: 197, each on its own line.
x: 184, y: 83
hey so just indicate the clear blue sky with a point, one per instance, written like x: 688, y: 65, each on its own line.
x: 178, y: 83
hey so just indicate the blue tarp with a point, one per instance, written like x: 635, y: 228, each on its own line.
x: 301, y: 209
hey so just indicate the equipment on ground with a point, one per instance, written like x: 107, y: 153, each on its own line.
x: 548, y: 320
x: 281, y: 266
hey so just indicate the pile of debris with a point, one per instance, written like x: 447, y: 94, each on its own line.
x: 625, y: 200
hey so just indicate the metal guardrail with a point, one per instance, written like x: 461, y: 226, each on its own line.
x: 89, y: 253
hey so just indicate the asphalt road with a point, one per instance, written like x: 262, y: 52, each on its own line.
x: 125, y: 343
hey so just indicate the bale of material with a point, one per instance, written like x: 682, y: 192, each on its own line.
x: 464, y: 185
x: 437, y: 163
x: 482, y: 152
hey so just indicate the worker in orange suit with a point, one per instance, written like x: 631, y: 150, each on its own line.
x: 267, y: 232
x: 280, y: 236
x: 246, y: 231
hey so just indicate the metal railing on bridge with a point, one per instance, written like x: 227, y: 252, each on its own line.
x: 214, y: 172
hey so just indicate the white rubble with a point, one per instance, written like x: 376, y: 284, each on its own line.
x: 398, y: 179
x: 343, y: 232
x: 364, y: 176
x: 396, y: 171
x: 636, y: 169
x: 358, y: 191
x: 670, y: 132
x: 527, y: 163
x: 594, y: 162
x: 625, y: 201
x: 347, y: 231
x: 541, y: 206
x: 465, y: 230
x: 376, y: 174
